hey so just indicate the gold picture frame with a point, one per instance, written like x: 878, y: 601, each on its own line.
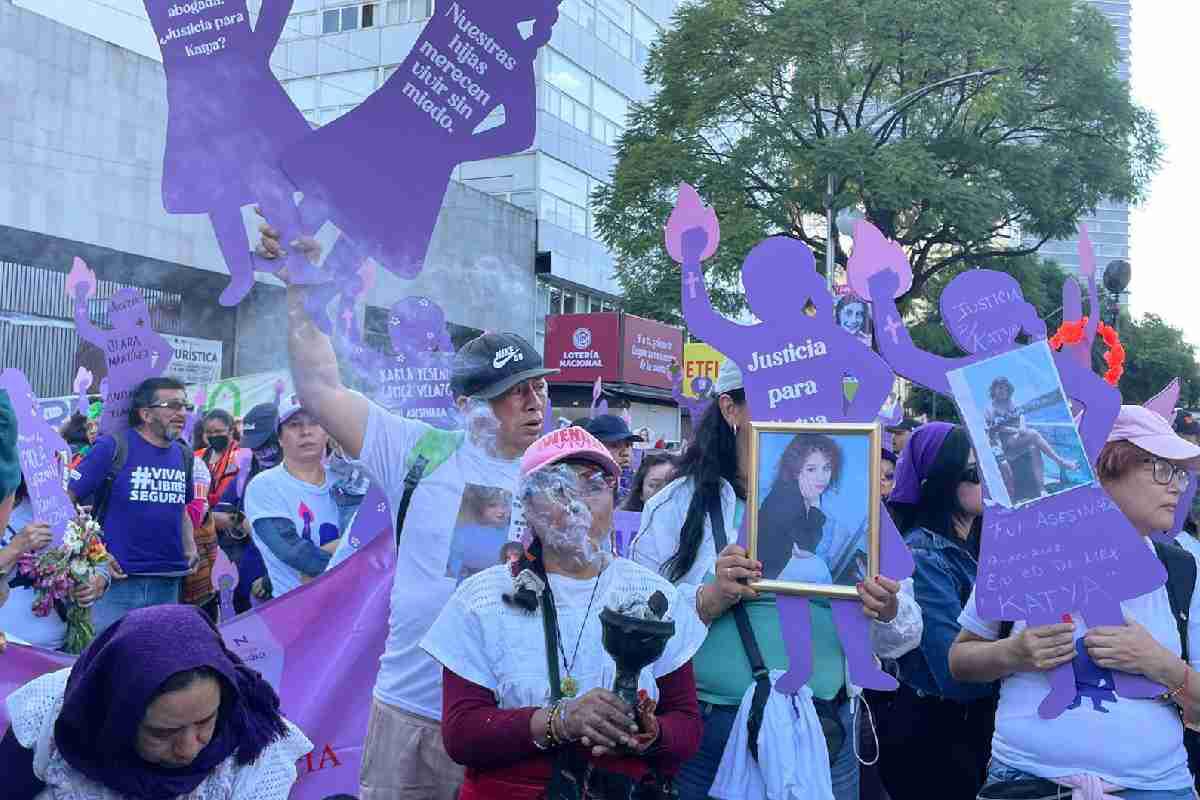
x: 767, y: 454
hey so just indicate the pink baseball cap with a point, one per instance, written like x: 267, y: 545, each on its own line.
x: 1152, y: 433
x: 567, y: 443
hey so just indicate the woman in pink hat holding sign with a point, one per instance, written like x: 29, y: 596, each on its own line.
x: 527, y: 701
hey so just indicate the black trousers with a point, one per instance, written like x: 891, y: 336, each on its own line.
x: 930, y: 747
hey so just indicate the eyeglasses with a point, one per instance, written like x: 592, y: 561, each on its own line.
x: 595, y: 484
x: 970, y: 474
x: 1165, y: 473
x: 174, y: 405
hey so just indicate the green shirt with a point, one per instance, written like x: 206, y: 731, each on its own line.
x: 722, y: 669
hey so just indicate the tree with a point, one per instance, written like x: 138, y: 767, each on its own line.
x: 760, y: 100
x: 1156, y: 354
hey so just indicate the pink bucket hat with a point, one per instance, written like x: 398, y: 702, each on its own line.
x: 560, y: 445
x: 1152, y: 433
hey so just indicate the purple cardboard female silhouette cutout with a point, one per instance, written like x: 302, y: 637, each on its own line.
x: 38, y: 447
x: 132, y: 350
x: 381, y: 170
x: 228, y: 123
x: 793, y: 366
x: 1037, y: 563
x: 414, y: 381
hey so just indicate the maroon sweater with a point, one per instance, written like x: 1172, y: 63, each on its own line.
x: 502, y: 761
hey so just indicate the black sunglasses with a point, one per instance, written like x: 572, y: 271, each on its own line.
x: 970, y: 474
x: 174, y: 405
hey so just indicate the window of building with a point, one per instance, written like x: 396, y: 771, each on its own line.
x: 645, y: 34
x: 619, y: 11
x: 303, y: 92
x: 608, y: 32
x: 556, y: 297
x: 563, y: 180
x: 570, y: 111
x: 350, y: 18
x: 368, y: 15
x: 568, y: 303
x: 579, y: 11
x: 611, y: 109
x: 568, y: 77
x: 347, y: 88
x: 330, y: 21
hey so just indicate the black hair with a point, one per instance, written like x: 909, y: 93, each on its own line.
x: 525, y: 598
x: 143, y: 396
x: 184, y: 679
x: 22, y: 493
x: 1001, y: 382
x: 798, y: 451
x: 634, y: 501
x: 888, y: 455
x: 938, y: 503
x: 221, y: 415
x: 74, y: 430
x: 711, y: 456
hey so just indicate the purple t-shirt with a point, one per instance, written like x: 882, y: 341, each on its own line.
x: 143, y: 524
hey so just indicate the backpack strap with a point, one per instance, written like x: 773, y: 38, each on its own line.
x: 758, y: 668
x: 431, y: 451
x: 1181, y: 582
x: 104, y: 493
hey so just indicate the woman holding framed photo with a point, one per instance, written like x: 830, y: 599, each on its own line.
x: 680, y: 528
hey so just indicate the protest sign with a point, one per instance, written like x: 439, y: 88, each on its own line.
x: 38, y: 450
x: 194, y: 360
x: 794, y: 368
x: 1073, y: 552
x: 625, y: 527
x: 700, y: 369
x: 132, y: 350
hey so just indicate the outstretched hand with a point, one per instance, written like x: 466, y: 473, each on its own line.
x: 884, y: 285
x: 270, y: 246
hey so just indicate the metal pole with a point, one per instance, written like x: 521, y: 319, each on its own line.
x: 829, y: 245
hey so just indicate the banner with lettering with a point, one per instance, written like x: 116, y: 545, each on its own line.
x: 318, y: 645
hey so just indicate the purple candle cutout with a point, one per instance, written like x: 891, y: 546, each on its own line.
x: 83, y: 382
x: 469, y: 60
x: 38, y: 449
x: 793, y: 366
x: 133, y: 351
x: 228, y: 123
x: 225, y: 579
x: 414, y: 381
x: 1040, y: 561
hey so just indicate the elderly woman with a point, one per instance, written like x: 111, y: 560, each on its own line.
x: 526, y: 701
x: 155, y: 708
x: 1127, y: 747
x: 677, y: 540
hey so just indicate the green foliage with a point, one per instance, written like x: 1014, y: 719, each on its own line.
x: 1156, y: 354
x: 760, y: 100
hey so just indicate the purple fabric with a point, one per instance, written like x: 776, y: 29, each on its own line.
x: 116, y: 678
x: 916, y: 459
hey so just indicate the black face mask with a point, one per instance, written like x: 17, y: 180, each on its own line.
x: 218, y: 443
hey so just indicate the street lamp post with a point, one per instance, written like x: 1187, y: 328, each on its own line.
x: 888, y: 116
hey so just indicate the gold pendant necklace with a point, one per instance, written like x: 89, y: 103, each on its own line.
x: 568, y: 685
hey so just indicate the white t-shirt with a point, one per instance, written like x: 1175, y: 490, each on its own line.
x: 277, y: 493
x: 17, y: 620
x: 1135, y: 744
x: 408, y: 678
x: 484, y: 640
x: 1191, y: 544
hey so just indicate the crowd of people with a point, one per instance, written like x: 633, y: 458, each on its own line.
x: 498, y: 679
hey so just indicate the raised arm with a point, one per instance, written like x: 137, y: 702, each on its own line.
x: 896, y: 345
x: 271, y: 19
x: 318, y: 382
x: 83, y: 321
x: 702, y: 319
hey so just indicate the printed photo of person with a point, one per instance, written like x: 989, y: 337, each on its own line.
x: 853, y: 315
x: 480, y: 532
x: 812, y: 522
x: 1021, y: 426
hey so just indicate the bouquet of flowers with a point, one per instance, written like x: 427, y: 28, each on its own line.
x: 56, y: 572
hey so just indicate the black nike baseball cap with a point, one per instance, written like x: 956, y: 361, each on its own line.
x: 489, y: 365
x: 259, y: 425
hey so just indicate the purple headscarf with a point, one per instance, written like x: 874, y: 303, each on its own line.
x: 916, y: 460
x: 119, y: 673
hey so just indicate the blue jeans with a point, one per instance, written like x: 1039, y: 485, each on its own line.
x: 136, y: 591
x: 1002, y: 772
x: 696, y: 776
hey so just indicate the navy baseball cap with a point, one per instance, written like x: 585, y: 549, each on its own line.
x: 489, y: 365
x: 609, y: 428
x: 259, y: 425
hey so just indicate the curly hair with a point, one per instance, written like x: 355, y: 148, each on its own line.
x: 798, y: 451
x: 1001, y: 382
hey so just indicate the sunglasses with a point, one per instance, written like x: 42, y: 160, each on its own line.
x: 174, y: 405
x: 970, y: 474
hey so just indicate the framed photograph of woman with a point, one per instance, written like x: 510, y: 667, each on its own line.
x: 813, y: 504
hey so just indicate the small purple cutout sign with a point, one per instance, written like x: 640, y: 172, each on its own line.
x: 39, y: 447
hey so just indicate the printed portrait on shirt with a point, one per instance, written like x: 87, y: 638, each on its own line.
x: 481, y: 531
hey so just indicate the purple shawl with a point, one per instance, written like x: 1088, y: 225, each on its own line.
x: 115, y: 678
x: 916, y: 459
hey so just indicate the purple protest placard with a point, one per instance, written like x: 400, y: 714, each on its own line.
x: 132, y: 350
x: 625, y: 527
x: 1065, y: 554
x: 229, y: 120
x: 470, y: 59
x: 38, y: 447
x: 794, y: 368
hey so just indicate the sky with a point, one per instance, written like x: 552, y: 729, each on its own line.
x: 1163, y: 37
